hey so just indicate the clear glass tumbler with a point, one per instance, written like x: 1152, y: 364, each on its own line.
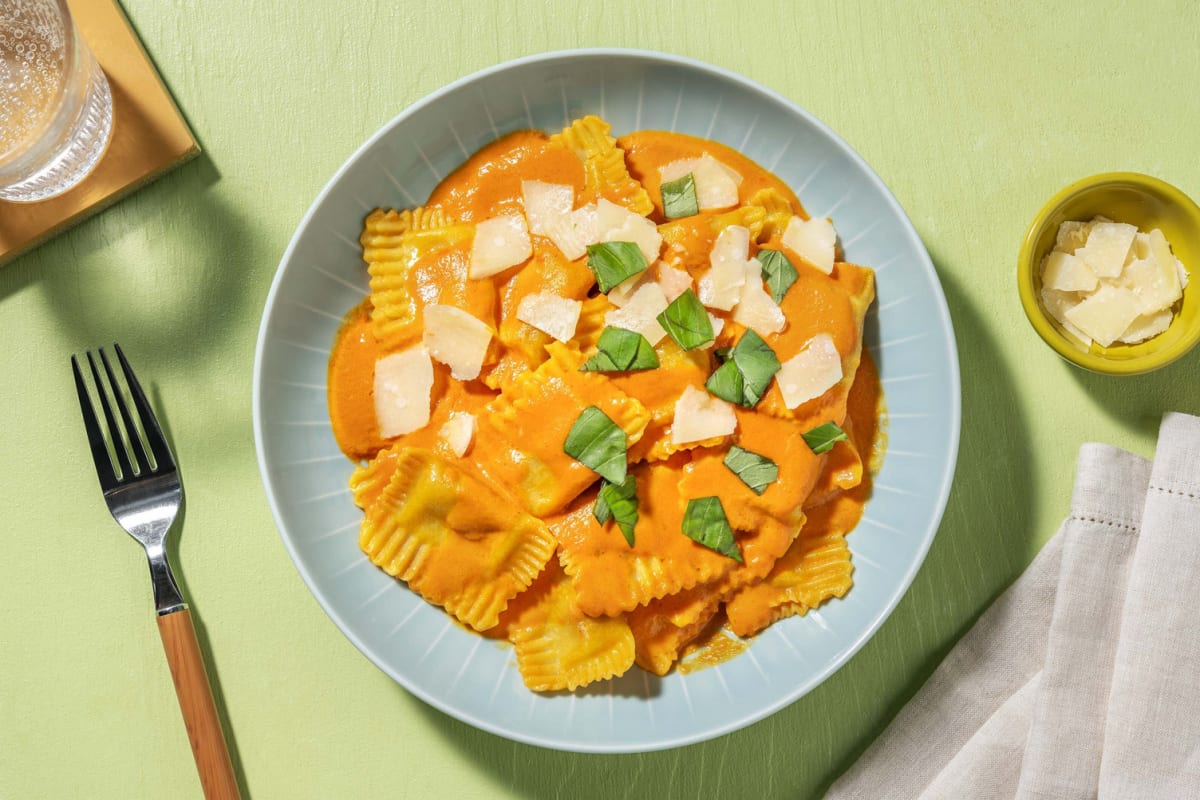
x: 55, y: 104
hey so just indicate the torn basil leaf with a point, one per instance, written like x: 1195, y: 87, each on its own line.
x: 621, y: 350
x: 679, y: 198
x: 599, y: 444
x: 778, y: 272
x: 704, y: 522
x: 757, y: 472
x: 727, y: 383
x: 822, y: 438
x: 754, y: 363
x: 614, y: 262
x: 687, y: 322
x: 618, y: 502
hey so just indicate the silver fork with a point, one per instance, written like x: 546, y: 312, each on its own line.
x: 143, y: 492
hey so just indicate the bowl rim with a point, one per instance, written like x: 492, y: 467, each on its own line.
x: 953, y: 416
x: 1026, y: 267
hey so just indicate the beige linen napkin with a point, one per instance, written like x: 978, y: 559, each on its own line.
x: 1083, y: 679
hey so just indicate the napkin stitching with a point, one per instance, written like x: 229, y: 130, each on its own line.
x: 1109, y: 522
x: 1180, y: 492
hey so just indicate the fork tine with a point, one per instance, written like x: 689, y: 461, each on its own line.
x: 154, y: 434
x: 135, y: 441
x: 104, y: 467
x: 114, y: 433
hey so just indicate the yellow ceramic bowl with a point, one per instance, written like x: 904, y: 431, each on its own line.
x: 1125, y: 197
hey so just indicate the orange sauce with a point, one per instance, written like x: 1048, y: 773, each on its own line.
x: 489, y: 183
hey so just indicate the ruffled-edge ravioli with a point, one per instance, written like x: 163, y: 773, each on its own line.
x: 456, y: 541
x: 535, y: 413
x: 420, y: 266
x: 610, y: 577
x: 815, y: 568
x: 664, y: 627
x: 605, y: 173
x: 558, y: 646
x: 388, y: 255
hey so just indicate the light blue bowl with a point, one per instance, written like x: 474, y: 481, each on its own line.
x: 322, y: 276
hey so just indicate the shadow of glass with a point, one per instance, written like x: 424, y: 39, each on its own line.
x: 173, y: 282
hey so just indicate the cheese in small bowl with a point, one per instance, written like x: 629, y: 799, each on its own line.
x: 1107, y: 282
x: 1098, y: 277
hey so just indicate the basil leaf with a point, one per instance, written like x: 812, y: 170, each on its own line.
x: 598, y: 443
x: 613, y: 262
x: 822, y: 438
x: 747, y: 372
x: 679, y: 198
x: 618, y: 501
x: 757, y: 472
x: 779, y: 273
x: 758, y: 364
x: 687, y: 322
x: 726, y: 383
x: 621, y: 351
x: 704, y: 522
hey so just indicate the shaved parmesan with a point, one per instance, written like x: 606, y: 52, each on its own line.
x: 640, y: 314
x: 756, y: 309
x: 811, y: 372
x: 458, y: 432
x: 500, y: 242
x: 550, y: 314
x: 1057, y: 303
x: 1118, y: 286
x: 545, y: 202
x: 1107, y: 246
x: 700, y: 416
x: 618, y: 224
x: 457, y: 339
x: 623, y: 292
x: 573, y: 232
x: 674, y: 282
x: 1147, y: 326
x: 1105, y: 314
x: 716, y: 183
x: 403, y: 385
x: 718, y: 324
x: 1067, y: 273
x: 813, y: 240
x: 1071, y: 236
x: 721, y: 286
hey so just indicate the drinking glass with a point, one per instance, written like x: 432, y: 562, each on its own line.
x: 55, y: 103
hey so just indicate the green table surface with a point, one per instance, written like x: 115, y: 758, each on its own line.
x: 972, y: 113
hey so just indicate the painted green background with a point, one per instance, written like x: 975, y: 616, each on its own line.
x: 973, y: 114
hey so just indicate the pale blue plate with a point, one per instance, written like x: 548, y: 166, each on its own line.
x: 322, y: 276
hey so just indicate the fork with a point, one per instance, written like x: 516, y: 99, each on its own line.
x: 143, y: 492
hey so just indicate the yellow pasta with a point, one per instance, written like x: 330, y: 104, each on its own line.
x: 454, y: 540
x: 815, y: 568
x: 483, y: 511
x: 777, y: 211
x: 559, y: 647
x: 604, y: 164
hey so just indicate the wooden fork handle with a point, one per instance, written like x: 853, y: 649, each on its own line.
x: 196, y: 702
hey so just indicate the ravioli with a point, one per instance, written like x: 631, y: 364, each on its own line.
x: 501, y: 526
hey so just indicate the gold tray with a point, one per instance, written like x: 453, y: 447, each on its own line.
x: 149, y: 135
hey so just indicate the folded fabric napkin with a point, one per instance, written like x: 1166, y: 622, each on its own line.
x: 1083, y: 679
